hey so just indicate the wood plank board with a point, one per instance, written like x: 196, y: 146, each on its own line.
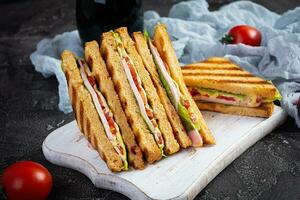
x: 180, y: 176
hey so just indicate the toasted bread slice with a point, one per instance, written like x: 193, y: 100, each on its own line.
x: 264, y: 110
x: 214, y: 72
x: 171, y: 145
x: 106, y: 86
x: 221, y: 74
x: 178, y: 129
x: 167, y: 52
x: 86, y: 114
x: 113, y: 61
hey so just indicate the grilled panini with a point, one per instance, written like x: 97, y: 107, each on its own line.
x: 166, y: 60
x: 92, y: 113
x: 106, y: 86
x: 178, y: 128
x: 170, y: 144
x: 219, y: 85
x: 124, y: 85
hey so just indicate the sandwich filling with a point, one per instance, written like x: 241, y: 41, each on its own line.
x: 139, y: 92
x: 181, y: 104
x: 106, y: 116
x: 222, y: 97
x: 216, y: 96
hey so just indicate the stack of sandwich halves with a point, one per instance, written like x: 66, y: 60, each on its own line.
x: 130, y: 99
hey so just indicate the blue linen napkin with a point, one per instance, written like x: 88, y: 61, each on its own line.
x: 46, y: 60
x: 195, y: 32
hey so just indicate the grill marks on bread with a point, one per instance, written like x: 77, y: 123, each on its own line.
x: 165, y: 48
x: 171, y: 145
x: 144, y: 137
x: 177, y: 127
x: 86, y: 114
x: 106, y: 86
x: 220, y: 74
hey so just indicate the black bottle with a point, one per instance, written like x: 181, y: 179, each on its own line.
x: 97, y: 16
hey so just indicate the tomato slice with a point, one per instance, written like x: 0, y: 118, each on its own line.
x: 194, y: 92
x: 226, y: 98
x: 258, y: 99
x: 186, y: 104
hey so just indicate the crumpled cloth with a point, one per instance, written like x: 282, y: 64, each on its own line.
x: 195, y: 32
x: 46, y: 60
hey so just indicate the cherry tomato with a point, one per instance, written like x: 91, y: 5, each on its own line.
x: 26, y: 180
x: 243, y: 34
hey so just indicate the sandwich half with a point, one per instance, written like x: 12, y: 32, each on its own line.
x: 163, y: 125
x: 133, y: 96
x: 106, y: 87
x: 93, y: 114
x: 170, y: 75
x: 219, y: 85
x: 178, y: 128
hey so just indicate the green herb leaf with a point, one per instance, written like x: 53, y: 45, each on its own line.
x: 182, y: 111
x: 146, y: 35
x: 277, y: 95
x: 185, y: 118
x: 213, y: 91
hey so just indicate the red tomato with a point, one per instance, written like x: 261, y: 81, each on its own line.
x: 26, y: 180
x: 186, y: 104
x: 243, y: 34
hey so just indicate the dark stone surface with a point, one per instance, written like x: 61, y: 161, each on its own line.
x: 28, y: 113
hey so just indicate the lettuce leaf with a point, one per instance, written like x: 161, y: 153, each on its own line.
x: 121, y: 141
x: 146, y: 35
x: 213, y: 91
x: 182, y: 111
x: 186, y: 119
x: 277, y: 95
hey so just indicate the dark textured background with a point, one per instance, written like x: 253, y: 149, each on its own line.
x: 28, y: 112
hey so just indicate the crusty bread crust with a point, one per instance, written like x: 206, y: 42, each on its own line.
x: 105, y: 85
x: 214, y: 72
x: 221, y: 60
x: 86, y: 114
x: 171, y: 145
x: 164, y: 46
x: 265, y: 110
x: 113, y: 62
x: 220, y: 74
x: 178, y: 129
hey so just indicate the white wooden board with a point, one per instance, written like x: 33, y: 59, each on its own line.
x: 180, y: 176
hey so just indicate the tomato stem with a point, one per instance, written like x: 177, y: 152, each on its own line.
x: 227, y: 39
